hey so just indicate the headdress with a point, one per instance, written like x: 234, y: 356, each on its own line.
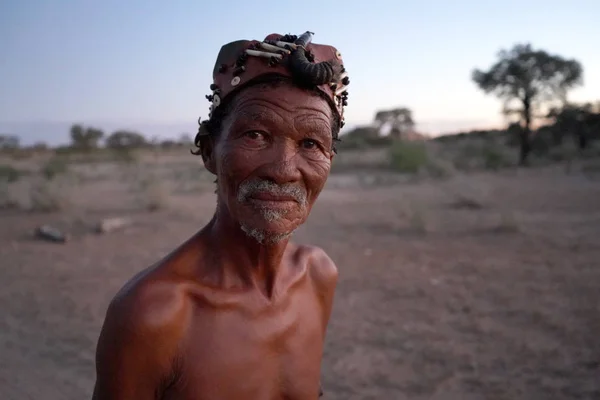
x: 310, y: 65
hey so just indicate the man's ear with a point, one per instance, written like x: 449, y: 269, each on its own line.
x: 208, y: 154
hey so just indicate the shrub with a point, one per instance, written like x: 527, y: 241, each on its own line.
x: 153, y: 193
x: 56, y: 166
x: 48, y: 197
x: 494, y: 158
x: 9, y: 174
x: 408, y: 157
x: 6, y: 199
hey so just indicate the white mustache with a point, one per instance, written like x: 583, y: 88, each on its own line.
x: 249, y: 188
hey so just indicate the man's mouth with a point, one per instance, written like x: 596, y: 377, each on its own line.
x: 272, y: 197
x: 268, y: 195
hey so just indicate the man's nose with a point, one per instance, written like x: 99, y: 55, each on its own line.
x: 281, y: 164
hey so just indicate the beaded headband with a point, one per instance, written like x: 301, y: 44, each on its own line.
x: 309, y: 65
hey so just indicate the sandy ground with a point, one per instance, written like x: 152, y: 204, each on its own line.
x: 478, y: 287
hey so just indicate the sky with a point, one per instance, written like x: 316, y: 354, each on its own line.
x: 147, y: 65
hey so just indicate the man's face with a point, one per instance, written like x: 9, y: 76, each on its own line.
x: 273, y: 158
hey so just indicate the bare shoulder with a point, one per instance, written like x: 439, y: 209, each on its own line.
x: 323, y: 273
x: 154, y: 300
x: 148, y: 304
x: 321, y: 267
x: 141, y: 335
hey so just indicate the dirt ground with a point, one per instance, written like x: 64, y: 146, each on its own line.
x: 483, y: 286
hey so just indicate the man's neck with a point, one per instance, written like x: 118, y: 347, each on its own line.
x: 241, y: 257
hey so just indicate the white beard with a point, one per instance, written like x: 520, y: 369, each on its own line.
x: 264, y: 237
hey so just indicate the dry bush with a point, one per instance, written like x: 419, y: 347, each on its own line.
x: 190, y: 178
x: 369, y: 140
x: 125, y: 155
x: 496, y: 156
x: 467, y: 194
x: 567, y: 151
x: 54, y: 167
x: 437, y: 166
x: 156, y: 197
x: 375, y: 158
x: 45, y: 196
x: 8, y: 173
x: 444, y: 158
x: 419, y: 158
x: 153, y: 193
x: 414, y: 213
x: 570, y: 156
x: 433, y: 159
x: 42, y: 191
x: 96, y: 155
x: 7, y: 199
x: 41, y: 195
x: 478, y: 154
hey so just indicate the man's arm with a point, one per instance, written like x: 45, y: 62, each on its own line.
x: 136, y: 352
x: 325, y: 276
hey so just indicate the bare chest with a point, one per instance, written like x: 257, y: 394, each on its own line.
x: 234, y: 354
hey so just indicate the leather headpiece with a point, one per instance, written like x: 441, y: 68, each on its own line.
x: 308, y: 65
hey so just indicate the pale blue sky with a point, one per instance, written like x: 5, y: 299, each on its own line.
x: 139, y: 63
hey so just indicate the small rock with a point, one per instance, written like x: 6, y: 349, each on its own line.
x: 112, y: 224
x: 51, y: 234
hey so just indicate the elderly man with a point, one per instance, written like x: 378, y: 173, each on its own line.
x: 237, y: 311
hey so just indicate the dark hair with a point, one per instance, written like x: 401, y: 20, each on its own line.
x: 211, y: 128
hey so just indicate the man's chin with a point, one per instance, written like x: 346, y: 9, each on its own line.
x: 264, y: 236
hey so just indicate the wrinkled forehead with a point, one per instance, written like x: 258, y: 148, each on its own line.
x: 282, y: 96
x: 281, y: 104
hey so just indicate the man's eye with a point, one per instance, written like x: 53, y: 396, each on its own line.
x: 309, y: 144
x: 253, y: 135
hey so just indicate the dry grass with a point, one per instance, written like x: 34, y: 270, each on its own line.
x: 126, y: 181
x: 481, y: 285
x: 37, y: 194
x: 45, y: 196
x: 154, y: 194
x: 7, y: 200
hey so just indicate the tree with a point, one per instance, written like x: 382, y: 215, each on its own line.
x: 400, y: 121
x: 77, y: 135
x: 532, y: 79
x: 93, y: 137
x: 9, y: 142
x: 361, y: 132
x: 579, y: 120
x: 125, y: 140
x: 169, y: 144
x: 185, y: 139
x: 39, y: 146
x: 85, y: 138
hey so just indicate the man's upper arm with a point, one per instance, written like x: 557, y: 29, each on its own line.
x: 325, y: 276
x: 136, y: 349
